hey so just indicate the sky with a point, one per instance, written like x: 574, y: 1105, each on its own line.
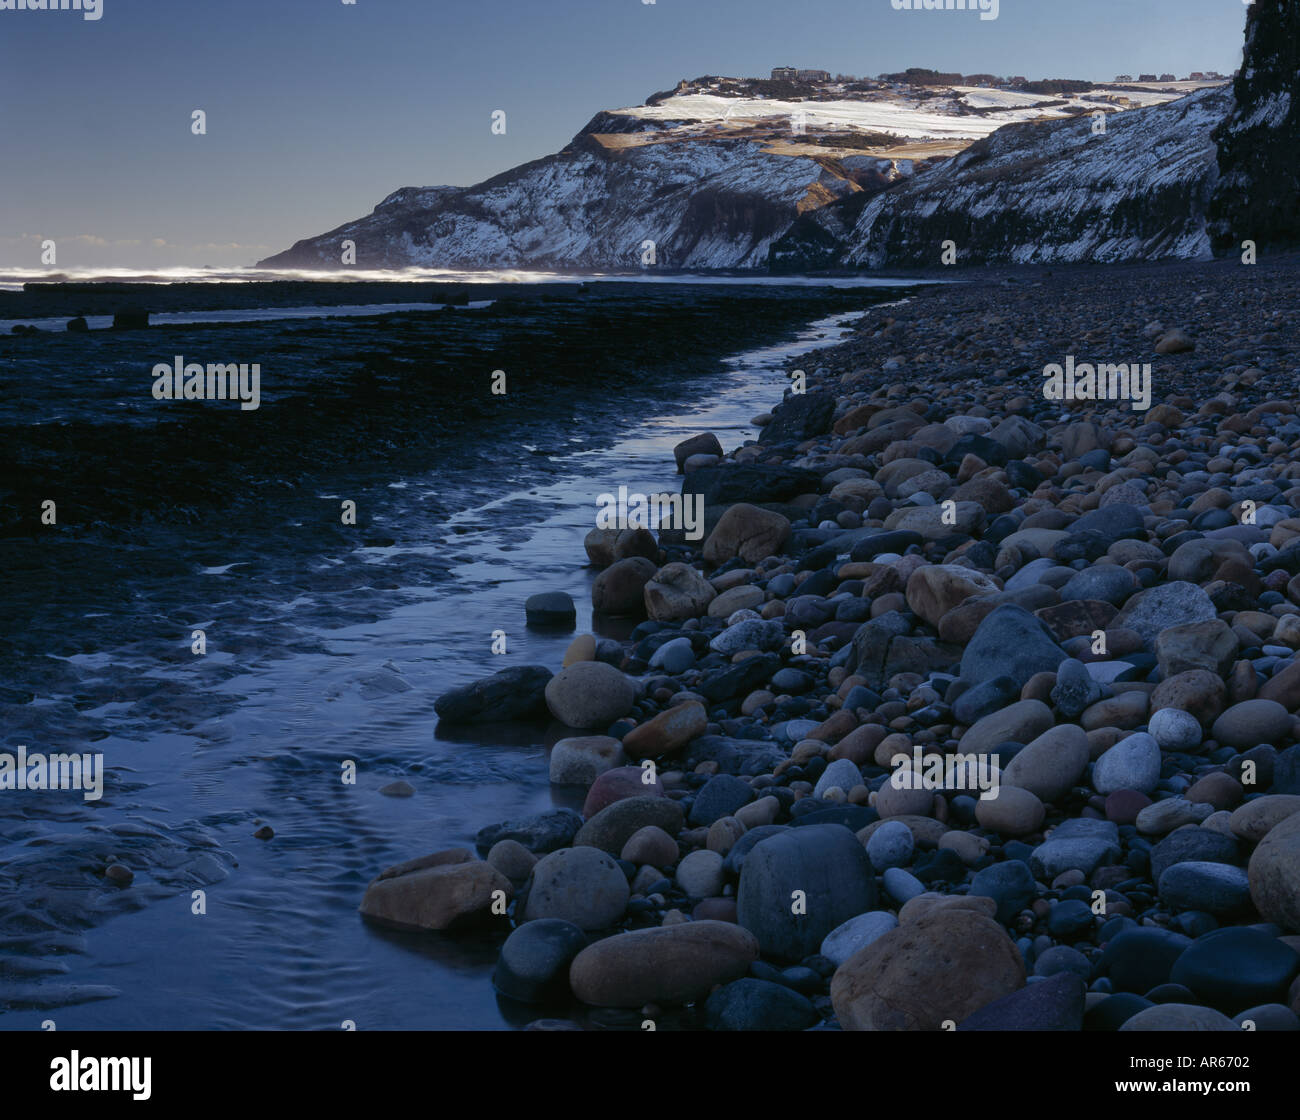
x: 318, y: 109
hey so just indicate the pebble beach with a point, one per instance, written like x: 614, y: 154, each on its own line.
x: 970, y: 709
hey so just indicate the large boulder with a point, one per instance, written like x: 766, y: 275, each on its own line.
x: 671, y: 964
x: 668, y: 732
x: 720, y: 797
x: 799, y: 417
x: 619, y: 783
x: 1164, y: 1017
x: 130, y: 318
x: 1132, y: 763
x: 1209, y: 645
x: 1258, y: 817
x: 797, y: 886
x: 1020, y: 722
x: 1196, y: 561
x: 746, y: 531
x: 1165, y: 605
x: 750, y: 482
x: 516, y: 693
x: 444, y: 891
x: 1051, y: 765
x: 615, y: 824
x: 534, y: 962
x: 550, y: 610
x: 932, y: 524
x: 1010, y: 642
x: 1275, y: 874
x: 1204, y: 845
x: 1252, y: 722
x: 941, y: 967
x: 678, y: 592
x: 1054, y: 1004
x: 581, y: 760
x: 620, y: 588
x: 581, y: 885
x: 758, y: 1005
x: 605, y: 546
x: 706, y: 443
x: 1077, y: 844
x: 539, y: 832
x: 590, y: 694
x: 1237, y: 968
x: 1197, y: 691
x: 1019, y: 436
x: 935, y: 589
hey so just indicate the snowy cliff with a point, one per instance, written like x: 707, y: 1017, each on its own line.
x: 718, y: 176
x: 1058, y: 192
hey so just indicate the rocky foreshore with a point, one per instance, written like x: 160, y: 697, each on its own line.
x: 972, y: 709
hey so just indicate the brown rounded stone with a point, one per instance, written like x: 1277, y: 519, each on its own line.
x: 1284, y: 688
x: 617, y: 784
x: 582, y: 648
x: 932, y: 902
x: 435, y: 897
x: 668, y: 732
x: 943, y: 966
x: 1051, y: 765
x: 1275, y: 874
x: 834, y: 727
x: 890, y: 801
x: 620, y: 588
x: 859, y: 745
x: 935, y: 589
x: 651, y: 845
x: 1197, y: 691
x: 747, y: 531
x: 1039, y: 687
x: 670, y: 964
x: 1013, y: 812
x: 1255, y: 819
x: 1220, y: 790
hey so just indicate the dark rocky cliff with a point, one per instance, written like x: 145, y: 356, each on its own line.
x: 1258, y: 194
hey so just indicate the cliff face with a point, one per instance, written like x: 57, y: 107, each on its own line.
x: 1058, y: 192
x: 1258, y: 194
x: 714, y: 205
x: 716, y: 178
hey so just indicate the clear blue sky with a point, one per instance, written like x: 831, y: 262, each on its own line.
x: 317, y: 108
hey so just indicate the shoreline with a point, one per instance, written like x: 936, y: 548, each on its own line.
x: 349, y: 672
x: 978, y: 636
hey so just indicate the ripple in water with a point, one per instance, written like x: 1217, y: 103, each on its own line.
x: 309, y: 670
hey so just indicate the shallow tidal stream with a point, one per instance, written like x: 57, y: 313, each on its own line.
x: 280, y: 945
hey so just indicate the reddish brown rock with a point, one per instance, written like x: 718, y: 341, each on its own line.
x: 617, y: 784
x: 436, y: 896
x: 668, y: 732
x: 1124, y: 805
x: 1197, y: 691
x: 671, y: 964
x: 943, y: 966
